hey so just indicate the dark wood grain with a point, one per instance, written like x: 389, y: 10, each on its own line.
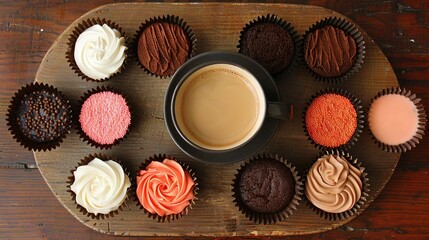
x: 29, y: 210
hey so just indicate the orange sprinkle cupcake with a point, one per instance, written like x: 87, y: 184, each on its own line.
x: 331, y: 120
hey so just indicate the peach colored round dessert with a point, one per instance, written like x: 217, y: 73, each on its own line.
x: 393, y: 119
x: 105, y: 117
x: 331, y: 120
x: 165, y: 188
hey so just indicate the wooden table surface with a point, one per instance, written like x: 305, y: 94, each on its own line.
x: 28, y: 209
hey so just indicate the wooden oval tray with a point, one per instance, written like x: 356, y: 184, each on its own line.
x: 217, y: 27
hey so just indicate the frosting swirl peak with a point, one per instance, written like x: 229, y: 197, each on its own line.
x: 164, y: 188
x: 100, y: 51
x: 333, y: 184
x: 100, y: 186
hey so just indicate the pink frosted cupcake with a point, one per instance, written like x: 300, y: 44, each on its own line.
x: 104, y: 117
x: 165, y: 189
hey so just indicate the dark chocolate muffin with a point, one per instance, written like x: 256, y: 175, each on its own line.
x: 163, y: 47
x: 266, y: 186
x: 270, y: 45
x: 42, y: 116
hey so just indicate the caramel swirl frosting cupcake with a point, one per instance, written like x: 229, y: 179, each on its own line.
x: 333, y: 185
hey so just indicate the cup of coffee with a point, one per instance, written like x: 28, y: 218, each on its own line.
x: 216, y: 107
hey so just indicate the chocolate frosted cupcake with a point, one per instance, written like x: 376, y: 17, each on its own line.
x: 100, y: 186
x: 104, y: 118
x: 333, y: 119
x: 39, y: 117
x: 333, y: 50
x: 267, y: 189
x: 397, y: 120
x: 272, y: 42
x: 163, y: 44
x: 336, y: 185
x: 97, y: 50
x: 165, y: 188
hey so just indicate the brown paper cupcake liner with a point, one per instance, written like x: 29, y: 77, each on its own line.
x: 272, y: 18
x: 421, y: 128
x: 172, y: 217
x: 168, y: 19
x: 351, y: 30
x: 359, y: 203
x: 12, y: 116
x: 82, y: 134
x: 80, y: 28
x: 71, y: 179
x: 268, y: 218
x: 360, y: 118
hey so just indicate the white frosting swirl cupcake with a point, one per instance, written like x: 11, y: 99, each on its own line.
x: 333, y: 184
x: 99, y: 51
x: 100, y: 186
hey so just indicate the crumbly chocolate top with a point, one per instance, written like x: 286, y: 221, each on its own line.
x: 270, y: 45
x: 42, y: 116
x: 266, y: 186
x: 162, y: 48
x: 330, y: 52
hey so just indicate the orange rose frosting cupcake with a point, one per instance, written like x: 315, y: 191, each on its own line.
x: 164, y: 188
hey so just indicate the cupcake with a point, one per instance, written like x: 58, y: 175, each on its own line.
x: 397, y: 120
x: 163, y: 44
x: 333, y: 119
x: 39, y: 117
x: 97, y: 50
x: 336, y: 186
x: 272, y: 42
x: 165, y: 189
x: 267, y: 189
x: 104, y: 118
x: 99, y: 186
x: 333, y: 50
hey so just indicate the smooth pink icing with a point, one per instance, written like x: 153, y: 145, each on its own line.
x: 393, y: 119
x: 164, y: 188
x: 105, y: 117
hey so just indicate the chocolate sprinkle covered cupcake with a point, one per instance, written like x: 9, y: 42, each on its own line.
x: 42, y: 116
x: 39, y: 117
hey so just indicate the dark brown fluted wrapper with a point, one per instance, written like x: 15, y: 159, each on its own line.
x: 360, y: 117
x: 268, y: 218
x: 82, y: 134
x: 71, y: 179
x: 14, y: 126
x: 272, y: 18
x: 169, y: 19
x: 80, y: 28
x: 421, y: 128
x: 351, y: 30
x: 358, y: 204
x: 172, y: 217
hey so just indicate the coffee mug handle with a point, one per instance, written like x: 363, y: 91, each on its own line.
x: 277, y: 110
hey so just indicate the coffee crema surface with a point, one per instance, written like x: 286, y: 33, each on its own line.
x: 219, y: 107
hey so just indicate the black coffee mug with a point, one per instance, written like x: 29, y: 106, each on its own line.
x: 233, y: 66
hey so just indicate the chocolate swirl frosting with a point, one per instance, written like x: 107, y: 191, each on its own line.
x: 330, y: 52
x: 162, y: 48
x: 333, y: 184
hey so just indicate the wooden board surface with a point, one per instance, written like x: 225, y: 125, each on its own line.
x: 217, y: 27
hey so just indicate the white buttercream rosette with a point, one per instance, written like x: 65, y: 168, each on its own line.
x: 99, y: 187
x: 97, y: 50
